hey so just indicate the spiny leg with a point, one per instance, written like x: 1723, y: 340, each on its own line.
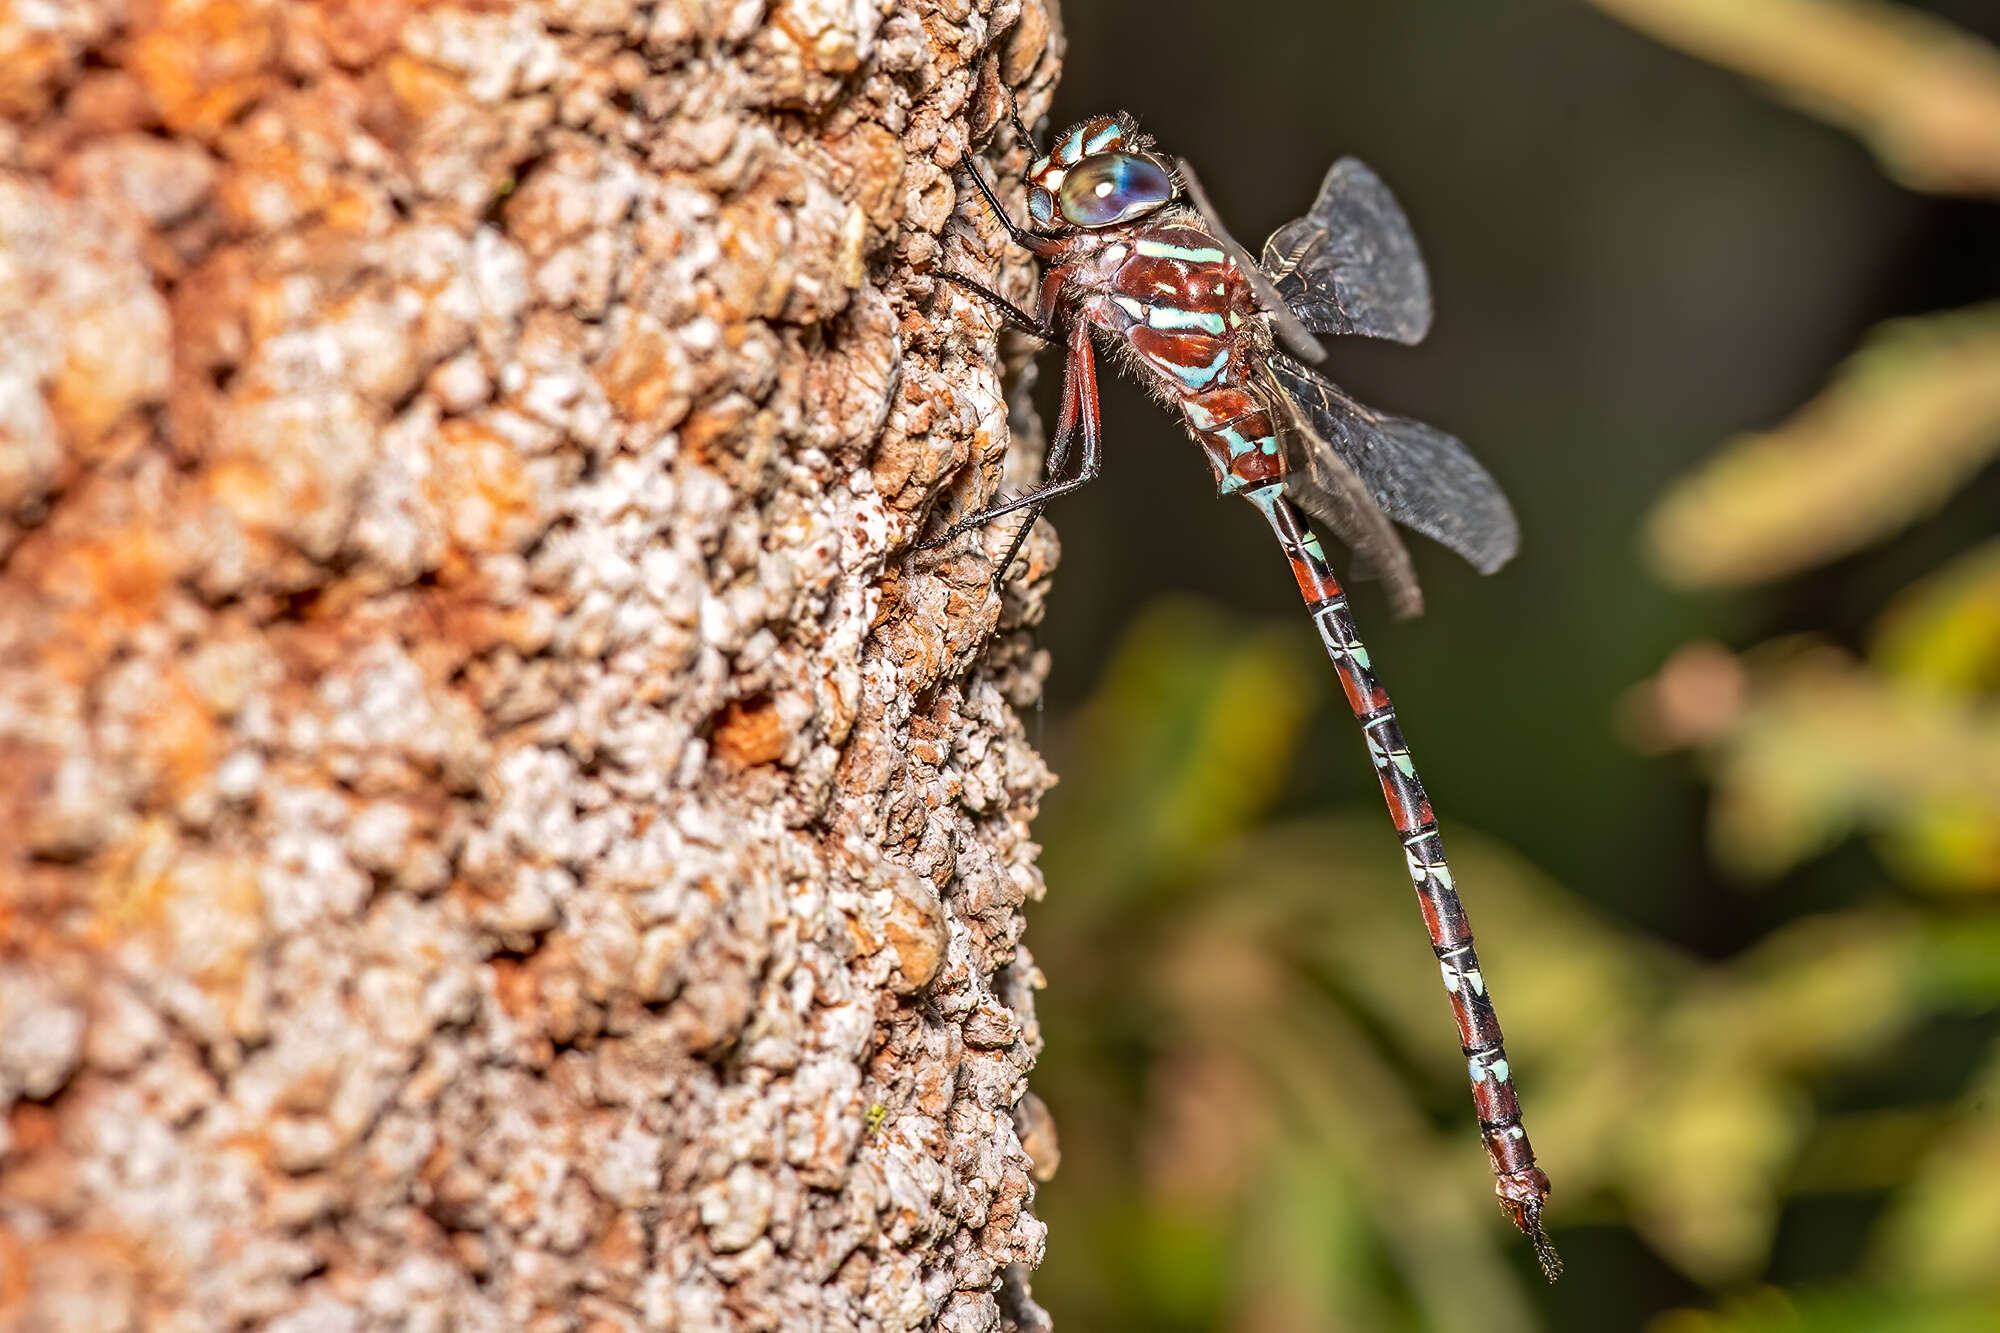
x: 1010, y: 312
x: 1080, y: 410
x: 1021, y: 236
x: 1023, y: 134
x: 1522, y: 1186
x: 1079, y: 370
x: 1079, y: 403
x: 1058, y: 456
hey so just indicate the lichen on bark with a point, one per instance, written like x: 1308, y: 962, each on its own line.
x: 499, y: 831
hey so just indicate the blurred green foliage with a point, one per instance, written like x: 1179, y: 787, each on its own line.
x: 1262, y: 1108
x: 1264, y: 1120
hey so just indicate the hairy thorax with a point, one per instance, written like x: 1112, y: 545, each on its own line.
x: 1185, y: 320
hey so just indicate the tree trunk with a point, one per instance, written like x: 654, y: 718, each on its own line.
x: 497, y: 829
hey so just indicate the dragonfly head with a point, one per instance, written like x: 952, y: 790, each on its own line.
x: 1101, y: 173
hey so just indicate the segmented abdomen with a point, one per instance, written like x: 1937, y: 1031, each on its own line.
x: 1182, y: 307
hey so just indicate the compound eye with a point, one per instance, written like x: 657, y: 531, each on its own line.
x: 1111, y: 188
x: 1041, y: 207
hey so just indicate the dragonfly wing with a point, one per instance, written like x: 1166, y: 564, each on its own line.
x: 1352, y: 265
x: 1284, y: 323
x: 1320, y: 482
x: 1417, y: 475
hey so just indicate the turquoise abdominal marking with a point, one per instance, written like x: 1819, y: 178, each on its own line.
x: 1194, y: 254
x: 1238, y: 445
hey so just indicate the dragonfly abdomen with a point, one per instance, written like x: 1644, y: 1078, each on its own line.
x: 1238, y: 436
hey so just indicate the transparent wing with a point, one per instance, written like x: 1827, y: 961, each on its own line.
x: 1283, y: 322
x: 1417, y: 475
x: 1352, y: 265
x: 1323, y: 485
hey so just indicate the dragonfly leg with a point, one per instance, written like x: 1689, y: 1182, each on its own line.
x: 1079, y: 402
x: 1080, y: 415
x: 1010, y: 312
x: 1021, y: 236
x: 1024, y: 135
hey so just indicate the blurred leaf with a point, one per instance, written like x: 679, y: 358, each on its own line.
x: 1187, y: 741
x: 1910, y: 417
x: 1704, y: 1178
x: 1944, y: 1231
x: 1720, y: 1111
x: 1945, y: 631
x: 1819, y: 992
x: 1825, y: 748
x: 1266, y: 1109
x: 1841, y: 1310
x: 1961, y: 962
x: 1446, y: 1242
x: 1923, y: 94
x: 1308, y: 1255
x: 1943, y: 636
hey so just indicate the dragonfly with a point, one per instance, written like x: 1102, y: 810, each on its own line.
x: 1134, y: 255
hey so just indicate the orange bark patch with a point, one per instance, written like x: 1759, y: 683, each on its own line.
x: 353, y: 33
x: 481, y: 490
x: 876, y: 159
x: 204, y: 60
x: 707, y: 433
x: 82, y: 593
x: 750, y: 732
x: 182, y: 740
x: 421, y: 90
x: 644, y: 377
x: 204, y: 911
x: 39, y: 1174
x: 32, y: 60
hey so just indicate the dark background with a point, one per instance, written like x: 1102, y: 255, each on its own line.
x: 1635, y: 256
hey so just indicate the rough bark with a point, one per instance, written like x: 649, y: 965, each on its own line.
x: 496, y: 830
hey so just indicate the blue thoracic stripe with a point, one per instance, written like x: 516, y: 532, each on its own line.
x: 1072, y: 147
x: 1104, y: 136
x: 1172, y: 317
x: 1194, y: 254
x: 1200, y: 377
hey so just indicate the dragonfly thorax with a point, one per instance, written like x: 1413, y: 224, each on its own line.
x: 1188, y: 324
